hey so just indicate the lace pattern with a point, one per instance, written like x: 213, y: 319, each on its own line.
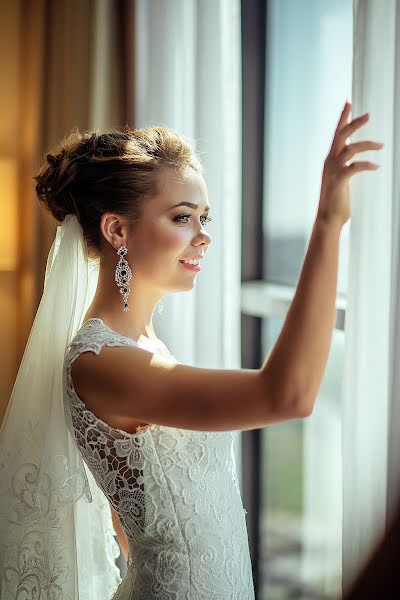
x: 29, y: 569
x: 41, y: 498
x: 175, y: 491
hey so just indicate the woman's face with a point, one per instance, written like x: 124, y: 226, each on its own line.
x: 166, y: 234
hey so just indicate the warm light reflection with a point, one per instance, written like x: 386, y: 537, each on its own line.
x: 8, y: 206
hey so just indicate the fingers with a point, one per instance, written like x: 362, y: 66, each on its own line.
x: 344, y: 116
x: 342, y: 122
x: 339, y: 141
x: 357, y: 166
x: 341, y: 153
x: 351, y: 149
x: 345, y: 130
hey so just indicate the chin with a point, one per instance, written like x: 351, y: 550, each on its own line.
x: 183, y: 286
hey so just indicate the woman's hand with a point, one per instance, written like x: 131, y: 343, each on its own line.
x: 334, y: 204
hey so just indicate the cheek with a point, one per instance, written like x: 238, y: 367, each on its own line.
x: 169, y: 239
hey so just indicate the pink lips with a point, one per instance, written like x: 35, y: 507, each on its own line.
x: 191, y: 267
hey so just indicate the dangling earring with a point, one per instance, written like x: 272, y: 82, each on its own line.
x: 160, y: 307
x: 123, y: 275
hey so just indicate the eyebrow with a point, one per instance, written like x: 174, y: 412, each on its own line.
x: 190, y: 205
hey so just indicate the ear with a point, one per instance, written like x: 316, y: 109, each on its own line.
x: 114, y: 229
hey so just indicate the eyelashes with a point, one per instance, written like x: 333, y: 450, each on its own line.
x: 187, y: 216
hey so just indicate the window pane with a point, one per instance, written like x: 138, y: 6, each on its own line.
x: 308, y: 79
x: 301, y: 492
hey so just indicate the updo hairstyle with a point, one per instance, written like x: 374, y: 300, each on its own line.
x: 90, y: 173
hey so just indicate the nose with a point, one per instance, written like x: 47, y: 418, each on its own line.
x: 206, y: 239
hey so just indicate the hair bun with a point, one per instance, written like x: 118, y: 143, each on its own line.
x: 53, y: 184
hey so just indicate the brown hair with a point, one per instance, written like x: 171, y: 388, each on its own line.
x: 91, y: 173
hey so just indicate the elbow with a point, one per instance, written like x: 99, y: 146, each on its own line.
x: 305, y: 408
x: 306, y: 413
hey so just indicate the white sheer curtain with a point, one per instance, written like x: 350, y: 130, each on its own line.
x: 371, y: 384
x: 187, y: 76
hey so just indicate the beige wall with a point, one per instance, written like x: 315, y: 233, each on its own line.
x: 9, y: 96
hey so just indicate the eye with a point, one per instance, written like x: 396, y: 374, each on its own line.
x: 204, y: 219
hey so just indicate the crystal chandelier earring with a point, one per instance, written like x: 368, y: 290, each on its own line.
x: 123, y: 275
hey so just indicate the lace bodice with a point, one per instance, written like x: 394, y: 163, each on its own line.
x: 176, y: 493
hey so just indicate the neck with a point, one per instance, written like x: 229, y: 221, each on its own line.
x: 108, y: 305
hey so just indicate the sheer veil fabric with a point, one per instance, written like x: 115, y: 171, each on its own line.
x: 56, y: 533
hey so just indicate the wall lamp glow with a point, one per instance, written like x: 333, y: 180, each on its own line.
x: 8, y: 214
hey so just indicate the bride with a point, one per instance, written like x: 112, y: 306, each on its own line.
x: 113, y: 418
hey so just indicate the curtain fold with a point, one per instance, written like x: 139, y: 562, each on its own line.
x: 187, y: 76
x: 371, y: 385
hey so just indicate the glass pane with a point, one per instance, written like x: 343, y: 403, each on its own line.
x: 308, y: 79
x: 301, y: 491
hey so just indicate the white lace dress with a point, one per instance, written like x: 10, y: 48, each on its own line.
x: 176, y: 493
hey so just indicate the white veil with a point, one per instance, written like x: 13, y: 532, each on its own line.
x: 56, y: 533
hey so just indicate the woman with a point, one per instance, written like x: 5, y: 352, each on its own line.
x: 157, y: 435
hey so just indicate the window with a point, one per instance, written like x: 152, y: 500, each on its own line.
x: 295, y: 537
